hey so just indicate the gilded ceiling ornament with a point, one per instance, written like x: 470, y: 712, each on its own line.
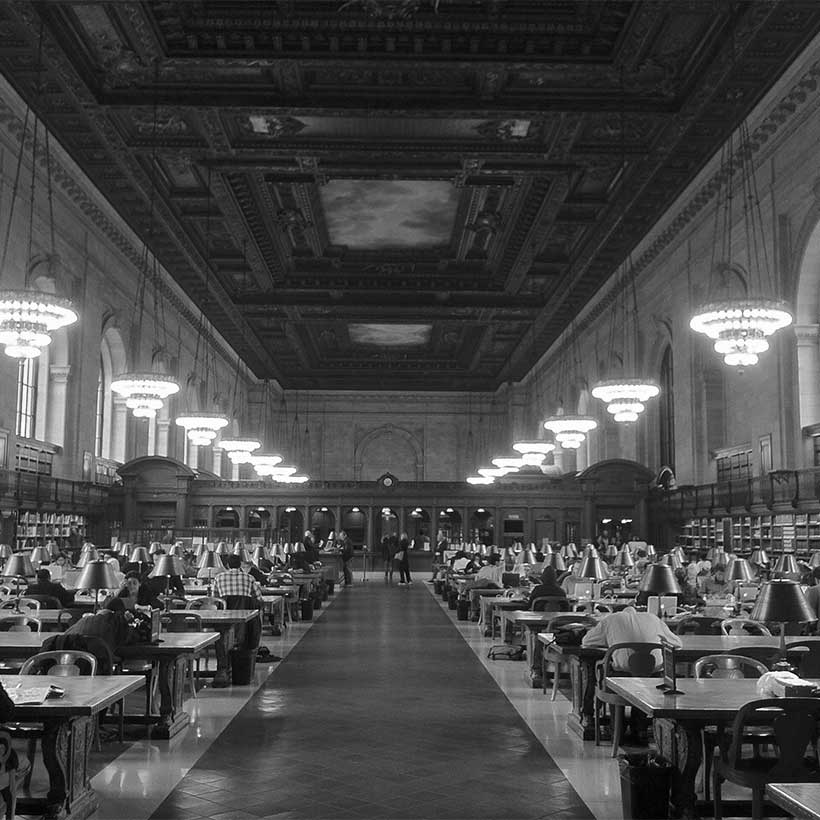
x: 166, y: 121
x: 271, y: 126
x: 389, y: 9
x: 507, y: 129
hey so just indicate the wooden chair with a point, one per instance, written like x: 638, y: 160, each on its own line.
x: 743, y: 626
x: 561, y: 621
x: 641, y: 663
x: 46, y: 601
x: 185, y: 622
x: 64, y: 663
x: 206, y: 602
x: 549, y: 603
x: 793, y: 726
x: 10, y: 775
x: 589, y: 607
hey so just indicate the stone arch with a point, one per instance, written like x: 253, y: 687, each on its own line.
x: 805, y: 291
x: 388, y: 449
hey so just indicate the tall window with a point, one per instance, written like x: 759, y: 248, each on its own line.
x: 27, y: 372
x: 667, y: 411
x: 99, y: 424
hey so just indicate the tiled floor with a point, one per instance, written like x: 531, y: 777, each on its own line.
x: 384, y: 707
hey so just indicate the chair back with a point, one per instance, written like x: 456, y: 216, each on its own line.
x: 730, y: 667
x: 45, y: 601
x: 175, y: 603
x: 240, y: 602
x: 807, y: 657
x: 634, y: 658
x: 743, y: 626
x: 182, y: 621
x: 30, y: 605
x: 589, y: 606
x: 65, y: 663
x: 697, y: 625
x: 549, y: 603
x: 793, y: 723
x: 19, y: 623
x: 207, y: 602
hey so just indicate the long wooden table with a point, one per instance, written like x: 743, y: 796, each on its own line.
x: 678, y: 720
x: 228, y: 623
x: 582, y: 662
x: 68, y: 734
x: 170, y: 658
x: 800, y: 800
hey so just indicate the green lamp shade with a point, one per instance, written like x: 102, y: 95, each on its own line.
x: 222, y: 549
x: 125, y: 550
x: 88, y: 556
x: 759, y: 556
x: 555, y: 561
x: 242, y: 553
x: 139, y: 555
x: 259, y: 556
x: 782, y: 601
x: 739, y: 570
x: 176, y: 549
x: 528, y: 557
x: 593, y: 567
x: 590, y: 552
x: 18, y: 566
x: 671, y: 560
x: 659, y: 579
x: 569, y: 551
x: 168, y: 565
x: 97, y: 574
x: 624, y: 558
x: 40, y: 555
x: 786, y: 566
x: 547, y: 549
x: 210, y: 560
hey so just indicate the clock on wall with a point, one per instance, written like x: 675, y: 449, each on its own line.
x: 388, y: 481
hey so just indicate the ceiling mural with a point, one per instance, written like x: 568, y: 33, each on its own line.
x: 416, y: 195
x: 375, y: 214
x: 390, y: 335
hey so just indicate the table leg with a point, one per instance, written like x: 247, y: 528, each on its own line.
x: 581, y: 720
x: 534, y: 655
x: 680, y: 743
x: 172, y: 717
x: 222, y: 678
x: 66, y: 745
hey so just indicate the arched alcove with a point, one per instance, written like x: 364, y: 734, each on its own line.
x: 388, y: 449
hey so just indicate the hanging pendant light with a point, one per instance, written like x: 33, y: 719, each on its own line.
x: 511, y: 465
x: 480, y: 479
x: 144, y: 393
x: 29, y: 317
x: 570, y: 431
x: 240, y: 450
x: 264, y: 462
x: 740, y: 323
x: 202, y: 427
x: 533, y: 452
x: 625, y: 399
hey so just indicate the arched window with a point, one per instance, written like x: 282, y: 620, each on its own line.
x: 99, y: 413
x: 26, y: 414
x: 667, y: 410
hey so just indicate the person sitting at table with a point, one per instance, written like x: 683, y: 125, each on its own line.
x: 813, y: 592
x: 299, y: 560
x: 688, y: 595
x: 461, y: 563
x: 489, y: 575
x: 549, y: 586
x: 714, y: 583
x: 236, y: 583
x: 45, y: 586
x: 115, y: 566
x: 125, y: 597
x: 309, y: 545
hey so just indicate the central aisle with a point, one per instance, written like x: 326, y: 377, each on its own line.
x: 380, y: 711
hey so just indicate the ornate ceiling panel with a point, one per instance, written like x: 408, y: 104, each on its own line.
x: 414, y: 194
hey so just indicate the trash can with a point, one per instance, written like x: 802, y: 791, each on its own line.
x: 438, y: 586
x: 307, y: 609
x: 243, y: 665
x: 331, y: 587
x: 463, y: 609
x: 452, y: 599
x: 645, y: 782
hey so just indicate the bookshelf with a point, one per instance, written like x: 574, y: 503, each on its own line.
x: 35, y: 528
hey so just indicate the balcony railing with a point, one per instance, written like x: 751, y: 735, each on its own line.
x: 42, y: 491
x: 778, y: 490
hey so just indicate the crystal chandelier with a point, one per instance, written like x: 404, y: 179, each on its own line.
x: 740, y: 328
x: 533, y: 452
x: 240, y: 450
x: 202, y: 427
x: 570, y: 430
x: 741, y: 311
x: 480, y: 479
x: 144, y: 393
x: 625, y: 399
x: 511, y: 465
x: 265, y: 461
x: 28, y: 317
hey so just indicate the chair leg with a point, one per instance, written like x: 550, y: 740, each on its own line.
x: 556, y: 673
x: 757, y: 803
x: 617, y: 728
x: 192, y: 678
x: 707, y: 766
x: 596, y: 713
x: 31, y: 751
x: 716, y: 794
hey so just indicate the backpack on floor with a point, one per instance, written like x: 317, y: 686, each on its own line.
x: 506, y: 652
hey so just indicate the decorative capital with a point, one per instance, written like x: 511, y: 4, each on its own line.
x: 806, y: 334
x: 58, y: 373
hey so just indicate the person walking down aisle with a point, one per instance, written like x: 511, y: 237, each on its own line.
x: 347, y: 557
x: 390, y: 546
x: 403, y: 559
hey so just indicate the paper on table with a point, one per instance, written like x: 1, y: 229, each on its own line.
x: 29, y: 694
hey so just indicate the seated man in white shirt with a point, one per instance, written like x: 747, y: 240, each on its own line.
x: 490, y: 573
x: 461, y: 563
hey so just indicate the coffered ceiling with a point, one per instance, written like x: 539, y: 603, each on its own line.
x: 414, y: 194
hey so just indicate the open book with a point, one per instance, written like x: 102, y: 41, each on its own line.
x: 28, y: 695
